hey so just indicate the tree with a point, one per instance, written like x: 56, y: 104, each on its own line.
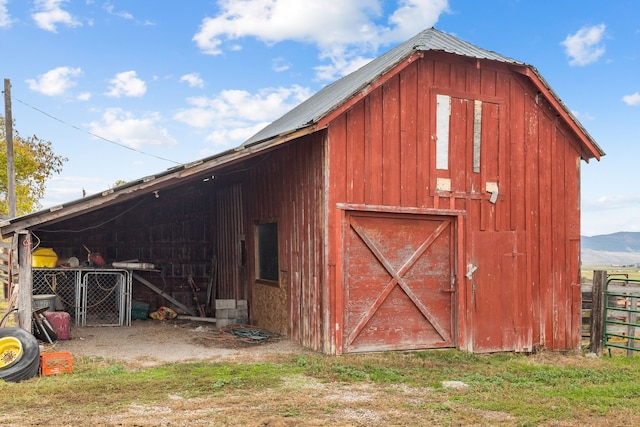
x: 34, y: 163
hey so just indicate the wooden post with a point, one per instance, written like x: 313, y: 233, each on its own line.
x: 24, y: 280
x: 11, y: 176
x: 598, y: 312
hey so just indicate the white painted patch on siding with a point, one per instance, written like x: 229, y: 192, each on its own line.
x: 443, y: 113
x: 477, y: 134
x: 443, y: 184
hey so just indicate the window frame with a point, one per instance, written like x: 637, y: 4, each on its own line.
x: 273, y: 277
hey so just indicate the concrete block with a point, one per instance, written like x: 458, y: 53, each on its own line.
x: 221, y: 323
x: 242, y: 303
x: 225, y: 303
x: 242, y: 313
x: 227, y: 313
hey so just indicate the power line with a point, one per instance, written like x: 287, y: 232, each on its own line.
x: 91, y: 133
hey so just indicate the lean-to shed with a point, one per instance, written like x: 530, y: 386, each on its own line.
x: 430, y: 199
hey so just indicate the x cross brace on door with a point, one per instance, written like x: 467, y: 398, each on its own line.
x: 396, y: 279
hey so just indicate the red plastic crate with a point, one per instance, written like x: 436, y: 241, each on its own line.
x: 60, y: 362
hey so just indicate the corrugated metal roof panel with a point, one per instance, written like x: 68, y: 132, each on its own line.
x: 335, y: 94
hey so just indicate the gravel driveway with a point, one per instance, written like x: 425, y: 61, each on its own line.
x: 152, y: 342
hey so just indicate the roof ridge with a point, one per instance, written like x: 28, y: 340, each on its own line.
x: 334, y: 94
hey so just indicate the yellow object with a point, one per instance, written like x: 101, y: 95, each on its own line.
x: 163, y: 313
x: 44, y: 257
x: 10, y: 351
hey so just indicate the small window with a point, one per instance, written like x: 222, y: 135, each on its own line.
x: 267, y: 253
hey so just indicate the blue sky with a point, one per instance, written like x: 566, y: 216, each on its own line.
x: 126, y: 89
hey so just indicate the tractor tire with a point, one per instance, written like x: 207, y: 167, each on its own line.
x: 29, y: 364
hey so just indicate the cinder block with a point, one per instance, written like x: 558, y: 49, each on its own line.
x: 225, y: 303
x: 242, y: 313
x: 221, y: 323
x: 227, y: 313
x: 241, y: 303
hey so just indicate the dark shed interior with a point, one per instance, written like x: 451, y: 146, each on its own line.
x: 192, y: 233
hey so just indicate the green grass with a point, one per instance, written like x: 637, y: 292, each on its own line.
x: 530, y: 391
x: 586, y: 272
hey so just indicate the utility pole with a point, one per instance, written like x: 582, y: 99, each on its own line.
x: 8, y: 123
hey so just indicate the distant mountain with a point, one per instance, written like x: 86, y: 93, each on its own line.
x: 611, y: 249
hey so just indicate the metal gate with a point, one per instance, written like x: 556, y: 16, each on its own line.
x: 621, y: 328
x: 399, y: 271
x: 93, y: 297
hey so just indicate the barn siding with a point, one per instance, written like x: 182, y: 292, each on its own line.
x: 230, y: 272
x: 382, y: 152
x: 286, y: 186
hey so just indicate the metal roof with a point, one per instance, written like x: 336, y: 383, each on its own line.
x: 334, y: 95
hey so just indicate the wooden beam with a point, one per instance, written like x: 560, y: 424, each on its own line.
x: 197, y: 319
x: 163, y: 294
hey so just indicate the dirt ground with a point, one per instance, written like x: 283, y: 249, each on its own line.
x: 150, y: 342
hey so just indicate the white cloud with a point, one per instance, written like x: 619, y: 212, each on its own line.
x: 341, y: 64
x: 5, y: 18
x: 84, y: 96
x: 61, y: 189
x: 610, y: 213
x: 125, y: 128
x: 49, y: 14
x: 193, y: 80
x: 343, y: 31
x: 242, y: 106
x: 55, y: 82
x: 279, y: 65
x: 582, y: 116
x: 225, y: 138
x: 235, y: 115
x: 585, y: 46
x: 124, y: 15
x: 111, y: 10
x: 127, y: 84
x: 633, y: 99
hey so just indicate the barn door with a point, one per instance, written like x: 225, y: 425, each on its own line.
x: 501, y: 309
x: 398, y: 282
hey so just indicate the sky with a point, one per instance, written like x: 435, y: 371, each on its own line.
x: 125, y: 89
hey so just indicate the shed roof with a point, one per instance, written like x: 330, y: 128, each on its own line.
x: 310, y: 112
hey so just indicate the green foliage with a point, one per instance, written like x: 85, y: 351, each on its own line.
x: 34, y: 163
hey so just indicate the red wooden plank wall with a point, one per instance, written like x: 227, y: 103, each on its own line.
x: 382, y: 152
x: 287, y: 187
x: 231, y: 280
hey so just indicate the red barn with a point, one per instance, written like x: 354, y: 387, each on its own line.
x: 430, y: 199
